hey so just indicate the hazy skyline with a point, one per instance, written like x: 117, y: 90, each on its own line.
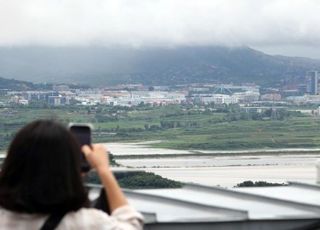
x: 288, y: 27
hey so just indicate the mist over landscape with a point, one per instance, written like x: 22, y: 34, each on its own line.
x: 199, y: 98
x: 142, y: 23
x: 160, y: 66
x: 158, y: 42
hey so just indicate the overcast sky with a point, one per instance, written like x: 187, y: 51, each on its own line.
x: 290, y: 27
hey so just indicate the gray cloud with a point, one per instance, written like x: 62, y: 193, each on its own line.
x: 259, y: 23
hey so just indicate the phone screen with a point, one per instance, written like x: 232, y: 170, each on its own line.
x: 83, y: 134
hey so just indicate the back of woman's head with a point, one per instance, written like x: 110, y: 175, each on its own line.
x: 41, y: 173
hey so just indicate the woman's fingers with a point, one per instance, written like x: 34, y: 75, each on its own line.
x: 86, y: 150
x: 96, y: 156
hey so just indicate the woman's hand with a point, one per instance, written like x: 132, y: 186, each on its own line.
x: 97, y: 156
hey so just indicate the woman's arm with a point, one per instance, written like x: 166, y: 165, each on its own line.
x: 98, y: 159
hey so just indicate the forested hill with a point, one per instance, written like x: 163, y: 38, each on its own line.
x: 15, y: 84
x: 104, y: 66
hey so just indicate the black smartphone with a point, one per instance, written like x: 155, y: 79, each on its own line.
x: 82, y: 133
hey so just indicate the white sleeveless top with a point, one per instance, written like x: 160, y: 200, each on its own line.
x: 125, y: 217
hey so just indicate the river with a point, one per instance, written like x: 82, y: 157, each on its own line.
x: 219, y: 168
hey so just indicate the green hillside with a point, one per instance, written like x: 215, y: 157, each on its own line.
x: 154, y: 66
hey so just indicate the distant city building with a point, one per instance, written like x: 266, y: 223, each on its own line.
x: 248, y: 96
x: 292, y: 93
x: 60, y: 88
x: 199, y: 89
x: 271, y: 97
x: 297, y: 99
x: 23, y: 102
x: 302, y: 88
x: 306, y: 99
x: 218, y: 99
x: 313, y: 82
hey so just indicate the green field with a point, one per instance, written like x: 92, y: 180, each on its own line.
x: 180, y: 127
x: 292, y: 133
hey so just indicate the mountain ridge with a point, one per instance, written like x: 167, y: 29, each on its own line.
x: 12, y: 84
x: 102, y: 66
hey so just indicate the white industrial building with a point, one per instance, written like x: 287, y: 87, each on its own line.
x: 247, y: 96
x: 295, y: 206
x: 218, y: 99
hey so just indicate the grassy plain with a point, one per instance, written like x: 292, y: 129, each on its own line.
x: 291, y: 133
x: 179, y: 127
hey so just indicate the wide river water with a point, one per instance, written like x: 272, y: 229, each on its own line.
x: 226, y: 171
x: 219, y: 167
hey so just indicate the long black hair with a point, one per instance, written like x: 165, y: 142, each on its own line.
x: 41, y: 172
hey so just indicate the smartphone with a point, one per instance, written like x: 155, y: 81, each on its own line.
x: 82, y: 133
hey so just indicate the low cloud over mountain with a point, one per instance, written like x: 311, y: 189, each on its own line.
x: 104, y: 66
x: 266, y: 24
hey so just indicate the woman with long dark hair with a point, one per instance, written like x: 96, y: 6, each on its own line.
x: 41, y: 183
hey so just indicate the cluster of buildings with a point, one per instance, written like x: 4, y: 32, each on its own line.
x: 129, y: 98
x: 224, y: 94
x: 61, y: 95
x: 54, y: 98
x: 133, y: 95
x: 137, y: 94
x: 311, y: 95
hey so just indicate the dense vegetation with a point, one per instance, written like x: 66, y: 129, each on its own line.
x: 181, y: 127
x: 250, y: 183
x: 137, y: 180
x: 15, y: 85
